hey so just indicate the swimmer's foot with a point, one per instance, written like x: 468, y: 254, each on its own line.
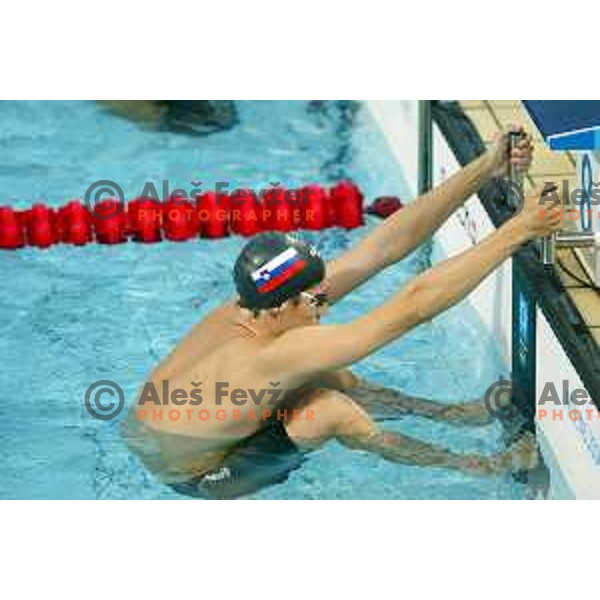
x: 522, y: 455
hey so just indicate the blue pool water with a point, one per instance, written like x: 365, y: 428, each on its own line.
x: 71, y: 316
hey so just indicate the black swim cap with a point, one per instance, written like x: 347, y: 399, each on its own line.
x: 274, y: 267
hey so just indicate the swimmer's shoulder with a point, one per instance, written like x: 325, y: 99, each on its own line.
x: 223, y: 314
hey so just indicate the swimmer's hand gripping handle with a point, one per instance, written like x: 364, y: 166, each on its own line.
x: 548, y: 244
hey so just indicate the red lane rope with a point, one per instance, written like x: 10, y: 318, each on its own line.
x: 147, y: 220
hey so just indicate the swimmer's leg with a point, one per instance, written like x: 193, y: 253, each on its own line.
x: 336, y: 416
x: 386, y: 403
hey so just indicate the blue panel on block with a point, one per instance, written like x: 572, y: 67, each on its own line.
x: 567, y: 124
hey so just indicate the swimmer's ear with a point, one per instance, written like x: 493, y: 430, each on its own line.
x: 249, y: 312
x: 277, y: 310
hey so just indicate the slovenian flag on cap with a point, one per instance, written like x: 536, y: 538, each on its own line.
x: 278, y: 270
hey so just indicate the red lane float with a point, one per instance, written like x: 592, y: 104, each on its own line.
x: 40, y: 226
x: 110, y: 222
x: 210, y: 215
x: 144, y: 220
x: 245, y: 213
x: 384, y: 206
x: 75, y: 224
x: 12, y: 234
x: 213, y: 215
x: 347, y: 202
x: 317, y: 213
x: 179, y: 220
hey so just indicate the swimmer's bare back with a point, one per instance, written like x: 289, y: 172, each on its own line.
x: 221, y: 349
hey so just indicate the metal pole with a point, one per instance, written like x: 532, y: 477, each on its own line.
x: 425, y: 146
x: 524, y: 322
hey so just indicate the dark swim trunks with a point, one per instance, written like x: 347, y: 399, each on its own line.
x: 265, y: 458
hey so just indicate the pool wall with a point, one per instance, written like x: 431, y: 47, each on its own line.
x: 571, y: 448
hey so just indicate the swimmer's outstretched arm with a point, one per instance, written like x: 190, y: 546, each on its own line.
x: 401, y: 233
x: 301, y: 354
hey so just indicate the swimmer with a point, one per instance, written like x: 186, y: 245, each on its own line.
x: 270, y: 336
x: 192, y: 117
